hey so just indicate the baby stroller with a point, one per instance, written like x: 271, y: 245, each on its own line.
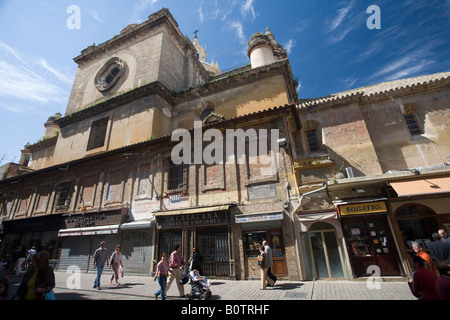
x: 198, y: 290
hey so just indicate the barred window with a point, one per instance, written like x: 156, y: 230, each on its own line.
x: 312, y: 140
x: 413, y: 124
x: 176, y: 178
x: 63, y: 191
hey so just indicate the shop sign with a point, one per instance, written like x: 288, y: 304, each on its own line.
x: 363, y: 208
x: 94, y: 219
x: 259, y: 217
x: 191, y: 220
x: 261, y: 192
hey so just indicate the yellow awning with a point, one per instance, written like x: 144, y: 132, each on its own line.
x: 421, y: 187
x: 194, y: 210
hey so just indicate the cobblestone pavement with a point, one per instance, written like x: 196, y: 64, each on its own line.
x: 72, y: 287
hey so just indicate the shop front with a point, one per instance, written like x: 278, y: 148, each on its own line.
x: 83, y: 234
x: 322, y: 248
x: 137, y: 246
x: 420, y: 207
x: 208, y: 228
x: 369, y: 239
x: 41, y: 232
x: 259, y: 227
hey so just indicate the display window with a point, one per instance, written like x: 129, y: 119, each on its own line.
x: 252, y: 242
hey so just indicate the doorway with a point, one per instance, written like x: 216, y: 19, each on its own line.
x: 326, y: 252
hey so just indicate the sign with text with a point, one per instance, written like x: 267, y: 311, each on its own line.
x: 192, y: 219
x: 261, y: 192
x: 259, y: 217
x: 363, y: 208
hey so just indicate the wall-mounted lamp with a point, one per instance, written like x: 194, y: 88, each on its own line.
x: 282, y: 142
x: 359, y: 190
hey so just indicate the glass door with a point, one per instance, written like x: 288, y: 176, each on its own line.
x: 327, y: 256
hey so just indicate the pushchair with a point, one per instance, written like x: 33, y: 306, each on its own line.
x: 198, y: 290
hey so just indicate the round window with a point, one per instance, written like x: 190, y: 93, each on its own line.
x: 108, y: 75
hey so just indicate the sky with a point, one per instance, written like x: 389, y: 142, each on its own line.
x: 332, y: 46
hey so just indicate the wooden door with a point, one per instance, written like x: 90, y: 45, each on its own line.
x: 275, y: 241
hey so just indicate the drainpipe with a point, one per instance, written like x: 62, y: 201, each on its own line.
x: 296, y: 233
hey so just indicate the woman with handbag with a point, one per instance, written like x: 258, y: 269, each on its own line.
x: 116, y: 264
x: 263, y: 265
x: 39, y: 281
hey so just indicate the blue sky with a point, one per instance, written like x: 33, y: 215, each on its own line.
x: 330, y: 47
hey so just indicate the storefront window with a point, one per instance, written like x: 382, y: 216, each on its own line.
x: 357, y: 239
x: 416, y: 223
x: 252, y: 242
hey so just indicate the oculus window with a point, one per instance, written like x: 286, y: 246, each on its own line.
x: 108, y: 75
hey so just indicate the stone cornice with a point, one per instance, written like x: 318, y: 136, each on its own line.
x: 119, y: 100
x: 42, y: 144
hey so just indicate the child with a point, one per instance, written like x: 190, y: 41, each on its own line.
x: 203, y: 281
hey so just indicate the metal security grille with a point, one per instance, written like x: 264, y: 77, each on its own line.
x: 213, y: 245
x: 167, y: 240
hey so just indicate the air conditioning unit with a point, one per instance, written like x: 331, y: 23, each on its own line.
x: 349, y: 172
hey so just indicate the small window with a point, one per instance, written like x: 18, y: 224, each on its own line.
x: 98, y: 134
x: 413, y: 125
x: 206, y: 112
x: 63, y: 191
x: 176, y: 176
x: 312, y: 140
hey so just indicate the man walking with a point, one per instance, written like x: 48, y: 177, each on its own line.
x: 440, y: 250
x: 268, y: 251
x: 100, y: 259
x: 176, y: 262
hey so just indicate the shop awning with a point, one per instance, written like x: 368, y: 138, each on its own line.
x: 421, y: 187
x: 307, y: 220
x: 137, y: 225
x: 194, y: 210
x: 89, y: 231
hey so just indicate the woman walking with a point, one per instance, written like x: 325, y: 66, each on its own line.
x: 116, y: 263
x: 39, y: 280
x: 162, y: 271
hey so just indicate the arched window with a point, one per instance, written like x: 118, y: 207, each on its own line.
x: 206, y: 112
x: 416, y: 222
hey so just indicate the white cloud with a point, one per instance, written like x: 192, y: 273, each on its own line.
x: 247, y: 8
x: 338, y: 20
x: 200, y: 14
x: 290, y: 45
x: 142, y: 7
x: 97, y: 17
x: 27, y: 81
x: 239, y: 30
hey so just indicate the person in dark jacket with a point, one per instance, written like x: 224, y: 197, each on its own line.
x: 439, y: 250
x: 39, y: 280
x: 197, y: 259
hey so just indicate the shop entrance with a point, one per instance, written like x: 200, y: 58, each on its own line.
x: 274, y: 237
x: 369, y: 243
x: 212, y: 242
x: 327, y: 255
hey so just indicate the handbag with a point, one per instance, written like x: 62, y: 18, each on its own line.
x: 260, y: 260
x: 50, y: 296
